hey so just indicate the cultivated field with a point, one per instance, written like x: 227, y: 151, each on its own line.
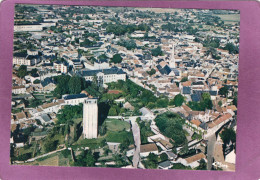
x: 229, y: 18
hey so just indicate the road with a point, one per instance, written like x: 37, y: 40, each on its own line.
x: 136, y: 134
x: 210, y: 150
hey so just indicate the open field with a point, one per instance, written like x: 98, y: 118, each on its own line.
x: 230, y: 17
x: 53, y: 161
x: 119, y: 136
x: 116, y: 125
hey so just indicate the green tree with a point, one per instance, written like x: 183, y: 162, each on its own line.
x: 184, y: 79
x: 152, y: 72
x: 152, y: 161
x: 112, y: 112
x: 22, y: 71
x: 86, y: 159
x: 34, y: 72
x: 50, y: 145
x: 178, y: 100
x: 202, y: 166
x: 157, y: 51
x: 24, y: 157
x: 116, y: 59
x: 206, y: 100
x: 164, y: 157
x: 36, y: 81
x: 228, y: 135
x: 65, y: 153
x: 180, y: 166
x: 170, y: 124
x: 74, y: 85
x: 62, y: 85
x: 39, y: 19
x: 223, y: 91
x: 68, y: 113
x: 78, y: 18
x: 103, y: 56
x: 162, y: 102
x: 232, y: 49
x: 124, y: 145
x: 220, y: 103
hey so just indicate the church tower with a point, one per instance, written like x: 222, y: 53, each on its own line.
x: 172, y: 60
x: 90, y: 119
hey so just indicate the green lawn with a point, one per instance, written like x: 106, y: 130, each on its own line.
x: 229, y: 17
x: 119, y: 137
x: 91, y: 143
x: 116, y: 125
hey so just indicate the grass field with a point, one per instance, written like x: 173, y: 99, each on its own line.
x: 91, y: 143
x: 52, y: 161
x: 229, y: 17
x: 119, y: 136
x: 116, y: 125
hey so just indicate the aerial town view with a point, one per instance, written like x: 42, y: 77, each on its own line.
x: 124, y: 87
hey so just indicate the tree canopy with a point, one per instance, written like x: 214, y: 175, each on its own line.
x: 228, y: 135
x: 69, y: 85
x: 68, y: 113
x: 86, y: 159
x: 232, y: 49
x: 116, y: 59
x: 178, y: 100
x: 157, y: 51
x: 184, y: 79
x: 170, y: 124
x: 223, y: 91
x: 151, y: 72
x: 205, y: 103
x: 22, y: 71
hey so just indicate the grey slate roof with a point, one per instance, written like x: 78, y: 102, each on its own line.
x: 47, y: 81
x: 176, y: 72
x: 186, y: 90
x: 113, y: 70
x: 196, y: 97
x: 204, y: 125
x: 165, y: 164
x: 165, y: 70
x: 171, y: 154
x: 213, y: 93
x: 75, y: 96
x: 45, y: 117
x: 198, y: 83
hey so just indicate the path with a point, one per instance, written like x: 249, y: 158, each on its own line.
x: 210, y: 150
x: 136, y: 134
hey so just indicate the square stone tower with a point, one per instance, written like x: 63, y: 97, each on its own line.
x: 90, y: 119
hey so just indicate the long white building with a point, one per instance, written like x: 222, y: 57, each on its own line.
x: 103, y: 76
x: 90, y: 119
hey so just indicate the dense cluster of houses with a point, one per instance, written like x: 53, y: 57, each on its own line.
x: 55, y: 53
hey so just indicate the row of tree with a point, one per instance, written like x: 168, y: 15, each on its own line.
x: 121, y: 29
x: 69, y: 85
